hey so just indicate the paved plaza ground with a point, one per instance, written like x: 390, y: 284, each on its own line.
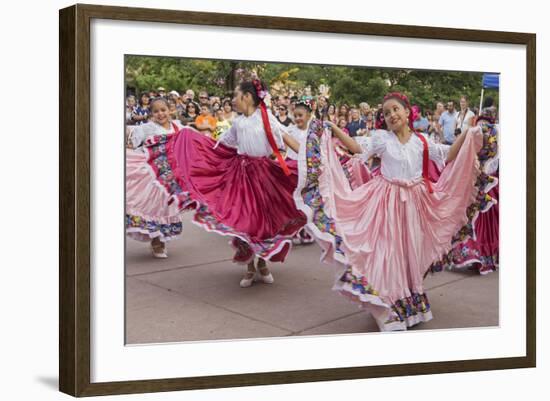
x: 195, y: 295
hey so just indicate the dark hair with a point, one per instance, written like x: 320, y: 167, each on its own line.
x: 195, y: 105
x: 488, y: 102
x: 141, y: 96
x: 304, y: 106
x: 158, y: 99
x: 227, y: 101
x: 248, y: 87
x: 398, y: 99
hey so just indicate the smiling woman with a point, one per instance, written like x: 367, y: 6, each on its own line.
x: 388, y: 231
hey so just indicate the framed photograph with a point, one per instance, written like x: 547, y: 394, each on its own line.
x: 225, y: 178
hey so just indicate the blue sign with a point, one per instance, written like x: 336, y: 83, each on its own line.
x: 490, y: 81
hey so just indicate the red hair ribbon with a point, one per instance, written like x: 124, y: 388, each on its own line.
x: 267, y: 127
x: 425, y: 161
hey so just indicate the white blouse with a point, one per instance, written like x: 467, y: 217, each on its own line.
x: 141, y: 132
x: 247, y: 135
x: 299, y: 135
x: 400, y: 161
x: 464, y: 123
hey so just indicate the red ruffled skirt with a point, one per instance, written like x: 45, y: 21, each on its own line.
x: 246, y: 198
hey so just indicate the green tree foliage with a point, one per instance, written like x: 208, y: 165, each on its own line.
x: 351, y: 85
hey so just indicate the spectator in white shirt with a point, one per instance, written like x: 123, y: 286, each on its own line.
x: 465, y: 117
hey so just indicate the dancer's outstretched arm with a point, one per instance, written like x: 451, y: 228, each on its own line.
x: 346, y: 140
x: 291, y: 142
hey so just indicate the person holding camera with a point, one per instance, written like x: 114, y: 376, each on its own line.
x: 447, y: 121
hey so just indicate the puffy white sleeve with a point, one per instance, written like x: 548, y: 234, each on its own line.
x: 138, y: 135
x: 491, y: 165
x: 438, y: 152
x: 372, y: 145
x: 178, y: 124
x: 229, y: 137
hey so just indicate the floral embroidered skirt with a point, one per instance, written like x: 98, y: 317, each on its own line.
x: 384, y: 233
x: 148, y: 213
x: 476, y: 245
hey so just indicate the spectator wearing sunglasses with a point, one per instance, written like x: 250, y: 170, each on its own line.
x: 203, y: 98
x: 283, y: 116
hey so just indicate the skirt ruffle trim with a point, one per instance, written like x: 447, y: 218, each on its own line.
x: 483, y: 264
x: 145, y: 226
x: 400, y: 314
x: 318, y: 223
x: 272, y: 249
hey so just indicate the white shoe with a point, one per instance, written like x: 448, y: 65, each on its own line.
x: 247, y: 280
x: 159, y: 253
x: 267, y: 279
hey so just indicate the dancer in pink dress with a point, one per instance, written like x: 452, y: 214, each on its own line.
x: 149, y: 217
x: 387, y: 232
x: 239, y: 186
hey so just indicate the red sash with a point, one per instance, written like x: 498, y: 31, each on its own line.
x: 425, y: 162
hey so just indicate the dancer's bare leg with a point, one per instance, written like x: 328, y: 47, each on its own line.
x: 265, y: 274
x: 158, y: 248
x: 248, y: 277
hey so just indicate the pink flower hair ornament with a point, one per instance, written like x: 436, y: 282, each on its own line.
x: 261, y: 90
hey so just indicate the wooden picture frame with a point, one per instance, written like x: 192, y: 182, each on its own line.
x: 75, y: 208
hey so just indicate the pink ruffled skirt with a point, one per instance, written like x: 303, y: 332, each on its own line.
x: 148, y: 213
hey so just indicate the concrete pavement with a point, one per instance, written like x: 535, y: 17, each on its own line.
x: 195, y: 295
